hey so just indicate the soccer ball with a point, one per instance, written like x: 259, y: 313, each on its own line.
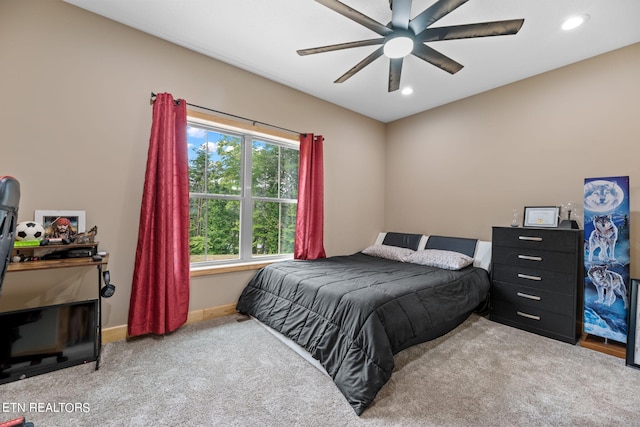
x: 29, y: 230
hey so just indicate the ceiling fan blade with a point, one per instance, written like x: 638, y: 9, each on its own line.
x: 360, y: 65
x: 395, y: 71
x: 434, y: 57
x: 331, y: 48
x: 436, y: 11
x: 483, y: 29
x: 400, y: 13
x: 356, y: 16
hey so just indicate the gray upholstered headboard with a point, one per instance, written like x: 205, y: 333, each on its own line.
x: 455, y: 244
x: 403, y: 240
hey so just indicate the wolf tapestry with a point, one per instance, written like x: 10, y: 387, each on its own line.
x: 606, y: 257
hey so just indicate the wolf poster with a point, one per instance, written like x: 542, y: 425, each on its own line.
x: 606, y: 257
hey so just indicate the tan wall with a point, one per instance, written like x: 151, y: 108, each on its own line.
x: 75, y: 120
x: 462, y: 168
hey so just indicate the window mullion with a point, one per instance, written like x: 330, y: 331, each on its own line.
x: 246, y: 209
x: 273, y: 199
x: 280, y: 228
x: 214, y: 196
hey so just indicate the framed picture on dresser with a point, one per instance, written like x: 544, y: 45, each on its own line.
x: 541, y: 216
x: 633, y: 339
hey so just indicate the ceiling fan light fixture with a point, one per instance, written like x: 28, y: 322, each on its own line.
x: 398, y: 47
x: 574, y: 22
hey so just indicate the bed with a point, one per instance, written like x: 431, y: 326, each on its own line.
x: 352, y: 313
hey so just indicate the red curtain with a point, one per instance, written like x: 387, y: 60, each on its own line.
x: 160, y: 290
x: 310, y: 212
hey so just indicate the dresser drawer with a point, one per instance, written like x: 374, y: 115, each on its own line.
x: 564, y: 262
x: 522, y: 297
x: 535, y: 238
x: 535, y: 320
x: 535, y: 278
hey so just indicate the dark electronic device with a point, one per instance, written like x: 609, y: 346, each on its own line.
x: 79, y: 253
x: 36, y: 341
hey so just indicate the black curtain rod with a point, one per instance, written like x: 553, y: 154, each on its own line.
x: 153, y: 98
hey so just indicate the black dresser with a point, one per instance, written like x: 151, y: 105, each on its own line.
x: 537, y: 280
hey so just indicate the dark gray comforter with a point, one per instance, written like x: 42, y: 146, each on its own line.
x: 353, y: 313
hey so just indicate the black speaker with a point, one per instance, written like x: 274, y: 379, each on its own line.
x: 569, y: 223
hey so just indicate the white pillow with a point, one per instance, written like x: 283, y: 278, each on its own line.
x: 448, y: 260
x: 395, y: 253
x: 482, y: 256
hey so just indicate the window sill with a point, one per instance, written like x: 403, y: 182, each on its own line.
x: 222, y: 269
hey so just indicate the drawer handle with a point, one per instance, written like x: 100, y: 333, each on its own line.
x: 526, y: 276
x: 528, y: 316
x: 531, y: 239
x: 530, y: 258
x: 533, y: 297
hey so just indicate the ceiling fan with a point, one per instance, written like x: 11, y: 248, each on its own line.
x: 404, y: 36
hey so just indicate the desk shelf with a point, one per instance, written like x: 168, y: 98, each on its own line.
x: 45, y: 264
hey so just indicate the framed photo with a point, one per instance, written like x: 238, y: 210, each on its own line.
x: 633, y: 337
x: 541, y: 216
x: 61, y: 224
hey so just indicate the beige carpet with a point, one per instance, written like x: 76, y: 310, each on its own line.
x: 229, y: 373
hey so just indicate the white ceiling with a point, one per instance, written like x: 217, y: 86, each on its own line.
x: 263, y: 36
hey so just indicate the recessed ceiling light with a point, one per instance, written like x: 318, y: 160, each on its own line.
x: 574, y: 22
x: 407, y: 91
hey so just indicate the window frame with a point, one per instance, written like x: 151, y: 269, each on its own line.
x: 247, y: 134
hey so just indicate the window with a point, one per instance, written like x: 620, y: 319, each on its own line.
x: 243, y: 194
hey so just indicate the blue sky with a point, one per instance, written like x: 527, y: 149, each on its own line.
x: 197, y: 137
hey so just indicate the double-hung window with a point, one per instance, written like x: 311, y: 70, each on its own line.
x: 243, y: 194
